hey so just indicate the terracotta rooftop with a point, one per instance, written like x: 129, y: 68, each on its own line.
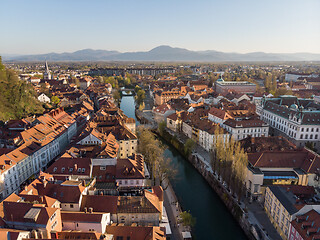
x: 130, y: 168
x: 100, y: 203
x: 307, y: 225
x: 136, y: 232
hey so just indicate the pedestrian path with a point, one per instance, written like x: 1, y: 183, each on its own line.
x: 173, y: 210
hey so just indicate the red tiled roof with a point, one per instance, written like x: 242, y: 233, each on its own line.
x: 100, y: 203
x: 70, y: 166
x: 130, y: 168
x: 310, y: 218
x: 219, y: 113
x: 136, y: 232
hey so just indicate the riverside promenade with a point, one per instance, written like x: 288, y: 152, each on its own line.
x: 173, y: 210
x: 257, y: 219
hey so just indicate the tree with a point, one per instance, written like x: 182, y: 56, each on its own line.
x: 140, y: 96
x: 142, y: 106
x: 189, y: 146
x: 187, y: 219
x: 116, y: 96
x: 161, y: 127
x: 160, y: 167
x: 164, y: 170
x: 18, y: 98
x: 282, y: 91
x: 55, y: 100
x: 77, y: 82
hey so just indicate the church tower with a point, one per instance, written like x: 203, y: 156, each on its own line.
x: 46, y: 74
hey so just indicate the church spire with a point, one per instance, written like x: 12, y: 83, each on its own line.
x: 46, y: 74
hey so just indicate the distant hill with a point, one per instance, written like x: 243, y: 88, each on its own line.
x: 165, y: 53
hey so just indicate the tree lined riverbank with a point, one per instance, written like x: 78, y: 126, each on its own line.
x: 213, y: 220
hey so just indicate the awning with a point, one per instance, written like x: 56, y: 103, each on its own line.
x: 280, y: 175
x: 186, y: 235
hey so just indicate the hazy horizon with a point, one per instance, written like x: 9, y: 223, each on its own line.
x: 17, y: 54
x: 39, y: 27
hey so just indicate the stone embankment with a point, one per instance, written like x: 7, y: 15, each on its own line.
x: 203, y: 167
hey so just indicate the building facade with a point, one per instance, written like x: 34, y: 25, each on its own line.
x: 294, y: 118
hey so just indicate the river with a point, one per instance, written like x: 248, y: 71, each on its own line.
x: 213, y: 220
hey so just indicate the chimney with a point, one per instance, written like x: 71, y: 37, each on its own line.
x: 90, y: 210
x: 54, y: 235
x: 75, y: 167
x: 85, y: 210
x: 252, y: 140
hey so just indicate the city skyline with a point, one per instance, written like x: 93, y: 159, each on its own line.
x: 40, y: 27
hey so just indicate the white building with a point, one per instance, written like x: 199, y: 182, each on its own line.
x: 85, y: 221
x: 41, y: 144
x: 44, y: 98
x: 218, y: 116
x: 241, y: 129
x: 295, y: 118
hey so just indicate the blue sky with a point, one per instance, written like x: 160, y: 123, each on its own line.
x: 41, y: 26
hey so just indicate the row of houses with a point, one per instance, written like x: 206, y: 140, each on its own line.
x: 37, y: 146
x: 97, y: 184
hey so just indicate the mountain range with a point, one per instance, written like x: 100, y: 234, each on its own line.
x: 164, y: 54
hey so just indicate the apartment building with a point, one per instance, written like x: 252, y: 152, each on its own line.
x: 295, y: 118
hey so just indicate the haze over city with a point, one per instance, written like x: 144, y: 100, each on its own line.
x: 34, y: 27
x: 160, y: 120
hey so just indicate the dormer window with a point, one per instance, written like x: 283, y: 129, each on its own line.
x: 83, y: 170
x: 54, y: 169
x: 71, y: 169
x: 62, y: 169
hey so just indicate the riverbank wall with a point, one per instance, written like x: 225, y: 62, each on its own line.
x: 205, y: 170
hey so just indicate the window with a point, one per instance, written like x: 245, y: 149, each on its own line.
x: 306, y: 137
x: 71, y: 206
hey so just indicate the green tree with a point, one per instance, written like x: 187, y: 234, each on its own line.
x: 140, y: 96
x: 187, y: 219
x: 55, y: 100
x: 153, y: 150
x: 18, y: 98
x: 189, y: 146
x: 161, y: 127
x: 116, y: 96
